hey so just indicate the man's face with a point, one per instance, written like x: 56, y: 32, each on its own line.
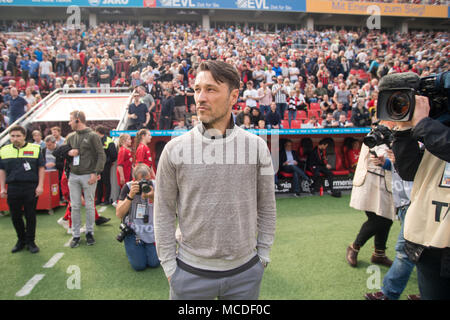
x: 17, y: 138
x: 72, y: 123
x: 14, y: 93
x: 50, y: 145
x: 288, y: 146
x: 214, y: 100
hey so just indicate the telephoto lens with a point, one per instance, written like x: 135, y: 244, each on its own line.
x: 398, y: 105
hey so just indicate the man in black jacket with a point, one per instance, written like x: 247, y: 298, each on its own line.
x: 426, y: 224
x: 167, y: 107
x: 105, y: 177
x: 317, y: 162
x: 289, y: 163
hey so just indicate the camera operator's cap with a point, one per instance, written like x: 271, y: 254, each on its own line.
x: 406, y: 80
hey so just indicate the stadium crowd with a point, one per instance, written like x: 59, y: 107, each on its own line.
x: 306, y: 74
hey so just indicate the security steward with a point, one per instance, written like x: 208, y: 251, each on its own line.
x: 22, y: 168
x: 111, y: 156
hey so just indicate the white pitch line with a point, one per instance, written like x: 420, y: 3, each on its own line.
x: 53, y: 260
x: 102, y: 209
x: 26, y: 289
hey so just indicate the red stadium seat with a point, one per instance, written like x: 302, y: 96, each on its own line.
x: 340, y: 169
x: 314, y: 106
x: 285, y: 174
x: 285, y: 124
x: 286, y: 115
x: 296, y: 124
x: 302, y: 116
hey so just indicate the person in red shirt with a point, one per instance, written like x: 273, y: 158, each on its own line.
x: 124, y: 160
x: 353, y: 155
x: 143, y: 154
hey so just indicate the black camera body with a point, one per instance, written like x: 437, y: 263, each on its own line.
x: 145, y: 186
x: 125, y: 230
x: 378, y: 136
x: 396, y: 99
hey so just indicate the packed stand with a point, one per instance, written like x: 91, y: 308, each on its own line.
x: 289, y: 79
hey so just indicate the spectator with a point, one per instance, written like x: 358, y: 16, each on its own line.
x: 265, y: 98
x: 280, y: 92
x: 181, y: 125
x: 250, y: 95
x: 360, y: 115
x: 167, y: 107
x: 56, y: 132
x: 312, y: 123
x: 104, y: 78
x: 273, y: 118
x: 290, y: 163
x: 255, y: 116
x: 343, y: 122
x: 37, y: 138
x: 138, y: 114
x: 18, y: 106
x: 247, y: 123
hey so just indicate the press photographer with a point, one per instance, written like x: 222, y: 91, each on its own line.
x: 135, y: 209
x: 420, y: 107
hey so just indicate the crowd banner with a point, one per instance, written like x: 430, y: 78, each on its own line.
x: 257, y: 5
x: 385, y: 9
x: 321, y: 131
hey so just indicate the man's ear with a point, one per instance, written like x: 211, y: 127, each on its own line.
x: 234, y: 95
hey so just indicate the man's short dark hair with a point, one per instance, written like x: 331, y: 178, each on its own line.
x: 221, y: 72
x: 101, y: 129
x: 18, y: 128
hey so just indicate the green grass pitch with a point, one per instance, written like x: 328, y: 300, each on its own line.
x: 307, y: 258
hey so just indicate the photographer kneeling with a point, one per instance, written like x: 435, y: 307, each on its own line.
x: 135, y: 209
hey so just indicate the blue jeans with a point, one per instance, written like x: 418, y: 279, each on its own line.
x: 264, y: 110
x: 397, y: 277
x: 281, y: 108
x: 297, y: 173
x: 292, y: 115
x: 140, y: 255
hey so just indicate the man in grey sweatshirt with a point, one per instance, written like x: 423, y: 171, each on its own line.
x: 217, y: 180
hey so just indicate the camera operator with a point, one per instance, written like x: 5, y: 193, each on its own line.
x: 427, y: 223
x: 135, y: 209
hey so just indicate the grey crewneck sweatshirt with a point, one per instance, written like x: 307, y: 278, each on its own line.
x: 222, y: 191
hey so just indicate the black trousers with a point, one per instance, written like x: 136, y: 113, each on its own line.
x: 374, y: 226
x: 318, y: 181
x: 105, y: 181
x: 21, y: 204
x: 432, y: 284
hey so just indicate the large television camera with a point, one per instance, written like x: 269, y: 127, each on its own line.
x: 396, y: 99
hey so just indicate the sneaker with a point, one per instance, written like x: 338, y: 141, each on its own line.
x: 18, y: 247
x: 413, y: 297
x: 297, y: 194
x: 69, y: 231
x: 63, y: 223
x: 75, y: 242
x: 114, y: 204
x: 33, y: 248
x: 90, y: 239
x: 101, y: 220
x: 375, y: 296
